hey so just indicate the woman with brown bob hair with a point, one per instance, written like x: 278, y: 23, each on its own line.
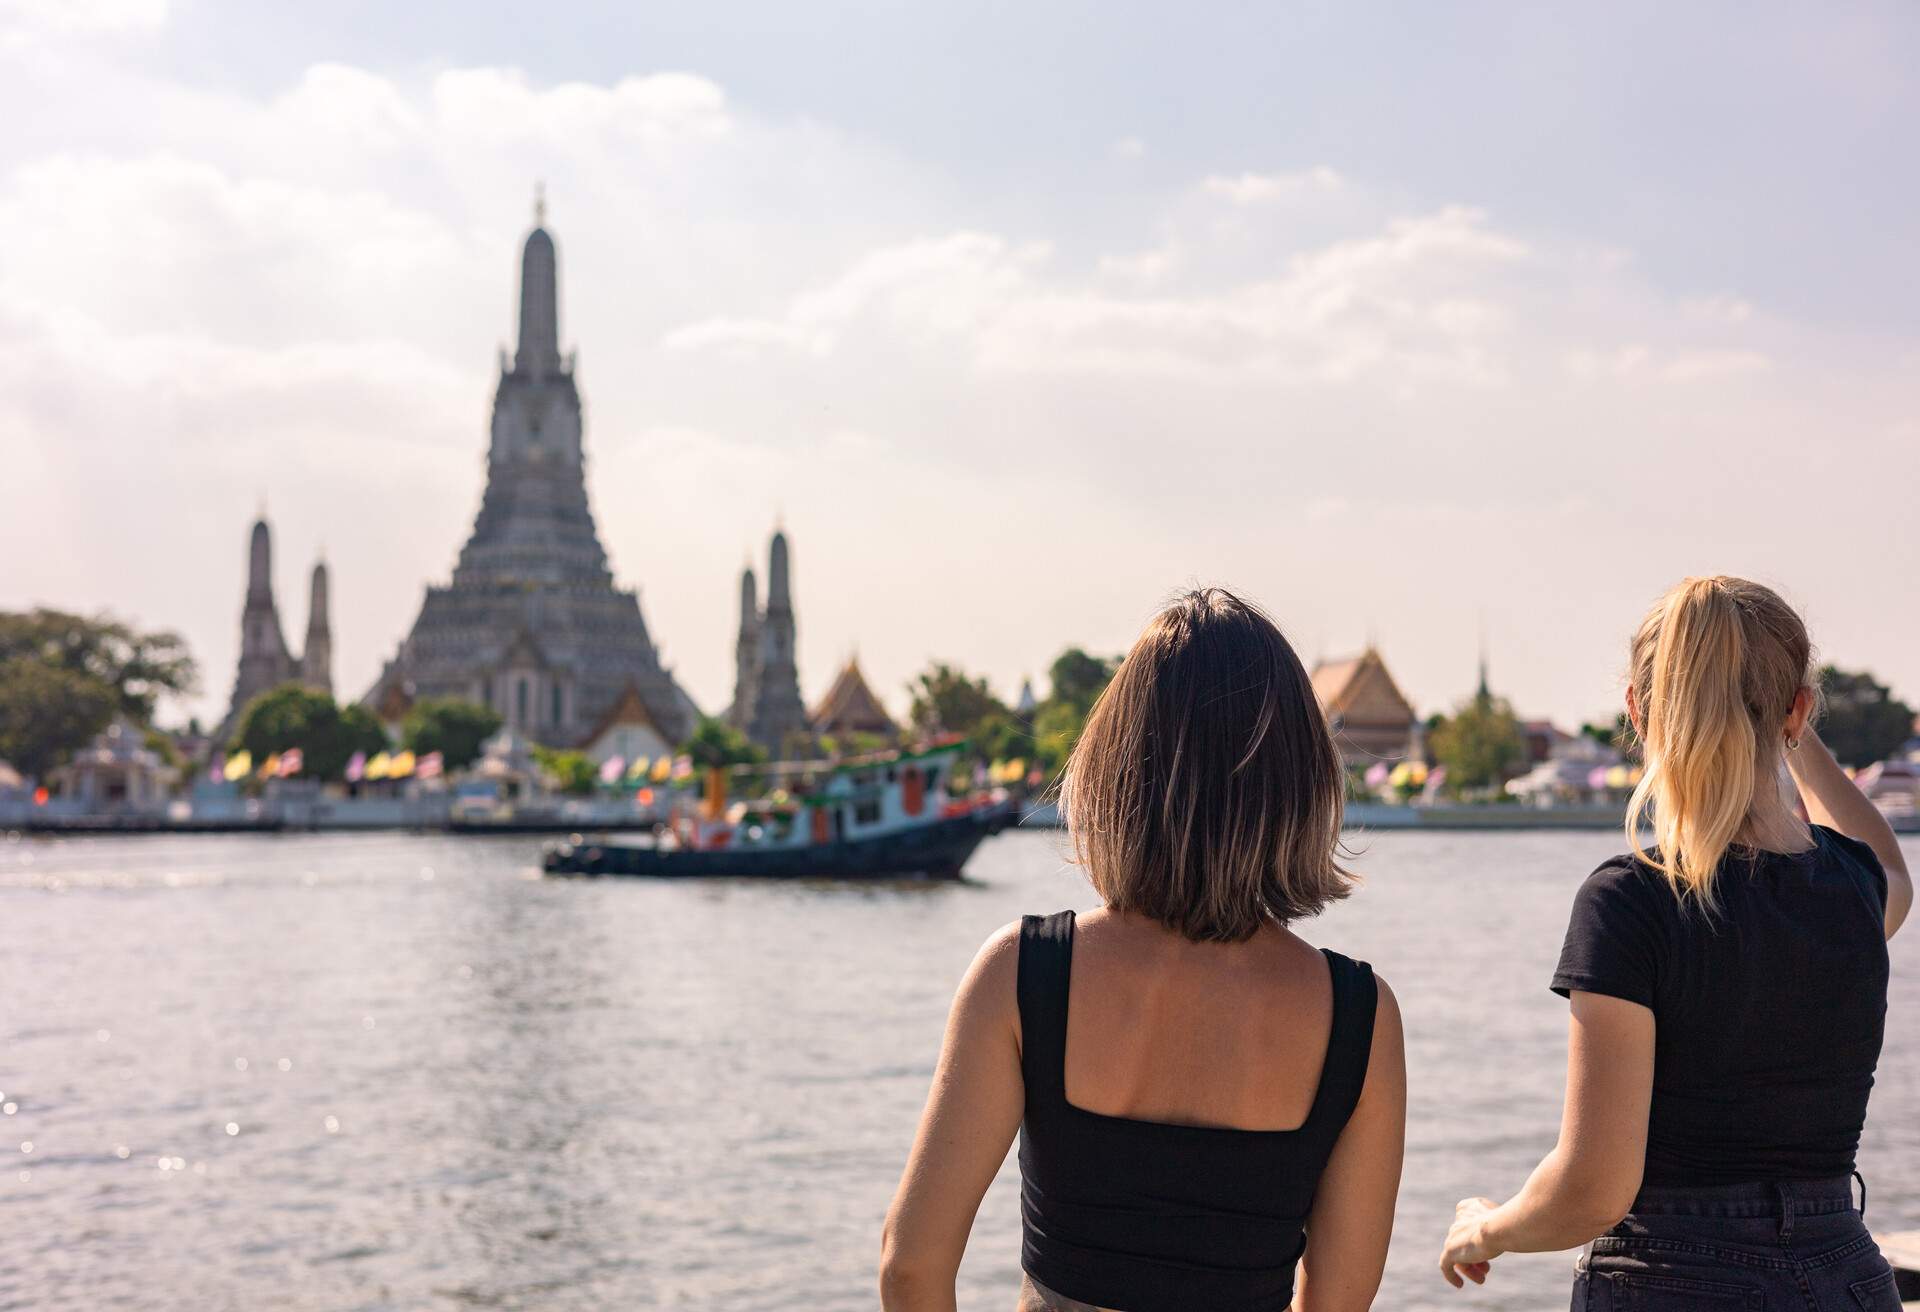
x: 1205, y: 1102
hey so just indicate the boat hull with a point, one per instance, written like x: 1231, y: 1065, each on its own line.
x: 932, y: 851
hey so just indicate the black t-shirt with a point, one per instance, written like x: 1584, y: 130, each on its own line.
x: 1768, y: 1012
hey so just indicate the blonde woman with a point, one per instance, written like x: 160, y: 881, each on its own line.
x: 1729, y: 989
x: 1205, y: 1101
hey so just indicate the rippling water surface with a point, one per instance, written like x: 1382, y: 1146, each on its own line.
x: 403, y: 1072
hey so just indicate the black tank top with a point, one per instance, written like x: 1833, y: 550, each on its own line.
x: 1153, y: 1217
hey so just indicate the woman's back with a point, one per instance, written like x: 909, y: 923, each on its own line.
x: 1177, y: 1121
x: 1160, y: 1028
x: 1769, y: 1007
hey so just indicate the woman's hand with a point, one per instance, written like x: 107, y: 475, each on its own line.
x: 1468, y: 1254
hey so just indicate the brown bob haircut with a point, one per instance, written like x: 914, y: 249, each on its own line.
x: 1205, y: 792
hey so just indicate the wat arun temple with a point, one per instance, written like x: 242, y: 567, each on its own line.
x: 532, y: 623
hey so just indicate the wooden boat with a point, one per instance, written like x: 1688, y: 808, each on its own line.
x: 879, y: 817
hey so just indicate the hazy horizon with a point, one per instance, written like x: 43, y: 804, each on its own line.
x: 1414, y: 327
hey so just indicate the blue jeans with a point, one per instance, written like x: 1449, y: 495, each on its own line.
x: 1796, y: 1246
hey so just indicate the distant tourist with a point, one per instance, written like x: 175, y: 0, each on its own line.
x: 1729, y: 989
x: 1213, y: 1102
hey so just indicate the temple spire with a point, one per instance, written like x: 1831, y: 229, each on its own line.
x: 778, y: 597
x: 260, y: 563
x: 539, y: 351
x: 316, y: 658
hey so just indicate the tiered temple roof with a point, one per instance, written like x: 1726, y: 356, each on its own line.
x: 1370, y: 717
x: 851, y: 707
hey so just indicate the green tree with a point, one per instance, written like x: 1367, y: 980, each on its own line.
x: 1077, y: 679
x: 1056, y: 728
x: 947, y: 701
x: 715, y: 743
x: 48, y: 712
x: 64, y: 678
x: 450, y: 726
x: 1000, y: 736
x: 136, y: 667
x: 574, y: 773
x: 326, y: 733
x: 1480, y: 745
x: 1863, y: 721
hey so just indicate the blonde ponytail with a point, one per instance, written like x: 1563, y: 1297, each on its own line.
x: 1716, y: 665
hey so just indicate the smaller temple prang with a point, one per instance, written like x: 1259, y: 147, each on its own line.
x: 266, y: 661
x: 746, y: 653
x: 316, y: 659
x: 776, y: 718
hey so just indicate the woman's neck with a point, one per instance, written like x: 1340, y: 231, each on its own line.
x: 1771, y: 825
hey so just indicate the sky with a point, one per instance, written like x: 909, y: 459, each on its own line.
x: 1438, y: 327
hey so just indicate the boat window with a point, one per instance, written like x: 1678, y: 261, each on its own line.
x: 867, y: 811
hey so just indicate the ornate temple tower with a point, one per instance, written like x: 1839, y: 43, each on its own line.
x: 316, y: 658
x: 778, y: 717
x: 532, y: 623
x: 746, y: 652
x: 265, y: 661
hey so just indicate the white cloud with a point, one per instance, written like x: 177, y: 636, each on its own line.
x: 1264, y: 188
x: 1397, y: 300
x: 1643, y: 363
x: 80, y: 16
x: 1143, y: 266
x: 1128, y: 148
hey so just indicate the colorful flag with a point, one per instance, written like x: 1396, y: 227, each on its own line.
x: 638, y: 770
x: 611, y: 769
x: 291, y: 762
x: 271, y: 766
x: 217, y: 771
x: 401, y: 766
x: 683, y: 767
x: 356, y: 767
x: 662, y: 768
x: 379, y: 766
x: 431, y: 766
x: 239, y: 765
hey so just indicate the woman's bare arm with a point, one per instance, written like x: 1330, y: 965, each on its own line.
x: 972, y: 1114
x: 1588, y: 1182
x: 1352, y: 1218
x: 1832, y: 800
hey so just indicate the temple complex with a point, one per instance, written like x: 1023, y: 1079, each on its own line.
x: 532, y: 623
x: 265, y: 660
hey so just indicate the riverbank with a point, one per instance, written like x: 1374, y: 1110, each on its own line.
x: 432, y: 816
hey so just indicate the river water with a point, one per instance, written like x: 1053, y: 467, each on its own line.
x: 384, y: 1071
